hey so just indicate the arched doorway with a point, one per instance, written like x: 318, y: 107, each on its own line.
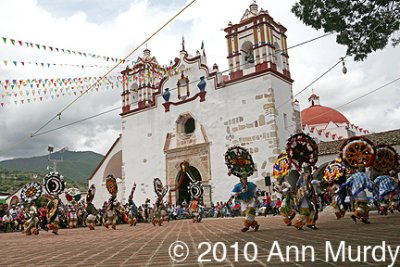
x: 182, y: 183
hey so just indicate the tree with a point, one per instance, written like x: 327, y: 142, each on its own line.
x: 361, y: 25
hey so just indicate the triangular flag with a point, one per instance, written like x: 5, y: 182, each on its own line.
x: 20, y: 43
x: 12, y: 41
x: 4, y: 39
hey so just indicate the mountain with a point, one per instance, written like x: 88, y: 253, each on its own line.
x: 77, y: 166
x: 11, y: 181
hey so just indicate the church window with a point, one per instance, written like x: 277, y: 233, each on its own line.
x: 185, y: 124
x: 247, y: 54
x: 189, y: 126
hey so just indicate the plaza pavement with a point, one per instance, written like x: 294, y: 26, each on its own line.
x: 148, y: 245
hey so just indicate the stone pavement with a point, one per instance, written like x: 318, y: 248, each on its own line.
x: 148, y: 245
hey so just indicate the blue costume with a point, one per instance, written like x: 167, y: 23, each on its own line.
x: 246, y: 193
x: 358, y: 183
x: 384, y: 187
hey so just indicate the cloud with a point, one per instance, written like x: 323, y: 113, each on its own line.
x: 115, y: 28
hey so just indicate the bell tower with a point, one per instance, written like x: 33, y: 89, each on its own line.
x: 141, y: 83
x: 256, y: 44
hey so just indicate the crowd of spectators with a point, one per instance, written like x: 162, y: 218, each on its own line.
x: 12, y: 218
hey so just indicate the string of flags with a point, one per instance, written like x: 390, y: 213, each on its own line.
x: 69, y: 88
x: 48, y: 65
x: 27, y: 44
x: 24, y: 91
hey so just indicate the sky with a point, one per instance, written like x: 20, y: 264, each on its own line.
x: 116, y: 28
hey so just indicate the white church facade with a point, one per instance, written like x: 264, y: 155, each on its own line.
x: 168, y: 117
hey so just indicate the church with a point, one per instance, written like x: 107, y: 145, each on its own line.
x: 192, y: 112
x: 326, y: 124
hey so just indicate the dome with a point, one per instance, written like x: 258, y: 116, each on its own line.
x: 317, y: 114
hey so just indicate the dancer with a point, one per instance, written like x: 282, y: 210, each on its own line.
x: 111, y: 215
x: 92, y: 212
x: 194, y: 210
x: 158, y: 207
x: 30, y: 193
x: 385, y: 186
x: 196, y: 194
x: 73, y: 195
x: 357, y: 183
x: 112, y: 203
x: 53, y: 217
x: 246, y: 193
x: 302, y: 152
x: 240, y: 163
x: 72, y: 215
x: 31, y: 225
x: 304, y: 200
x: 285, y: 189
x: 358, y: 153
x: 133, y: 210
x: 334, y: 176
x: 395, y: 196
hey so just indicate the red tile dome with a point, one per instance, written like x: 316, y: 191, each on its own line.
x: 317, y: 114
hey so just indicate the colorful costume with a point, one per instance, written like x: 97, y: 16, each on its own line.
x: 395, y: 196
x: 357, y: 153
x: 111, y: 215
x: 302, y: 153
x: 133, y: 210
x: 112, y: 203
x: 92, y: 216
x: 246, y: 193
x: 194, y: 210
x: 357, y: 183
x: 285, y: 189
x: 158, y: 212
x: 30, y: 193
x: 53, y: 215
x: 337, y: 200
x: 31, y: 225
x: 92, y: 212
x: 385, y: 187
x: 334, y: 176
x: 240, y: 163
x: 304, y: 200
x: 72, y: 216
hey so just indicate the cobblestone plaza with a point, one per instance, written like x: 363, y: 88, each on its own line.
x: 223, y: 244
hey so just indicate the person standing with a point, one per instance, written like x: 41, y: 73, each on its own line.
x: 7, y: 221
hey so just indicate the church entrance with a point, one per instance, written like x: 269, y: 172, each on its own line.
x: 183, y: 182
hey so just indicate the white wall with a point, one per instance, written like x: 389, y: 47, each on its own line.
x: 102, y: 194
x: 144, y: 133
